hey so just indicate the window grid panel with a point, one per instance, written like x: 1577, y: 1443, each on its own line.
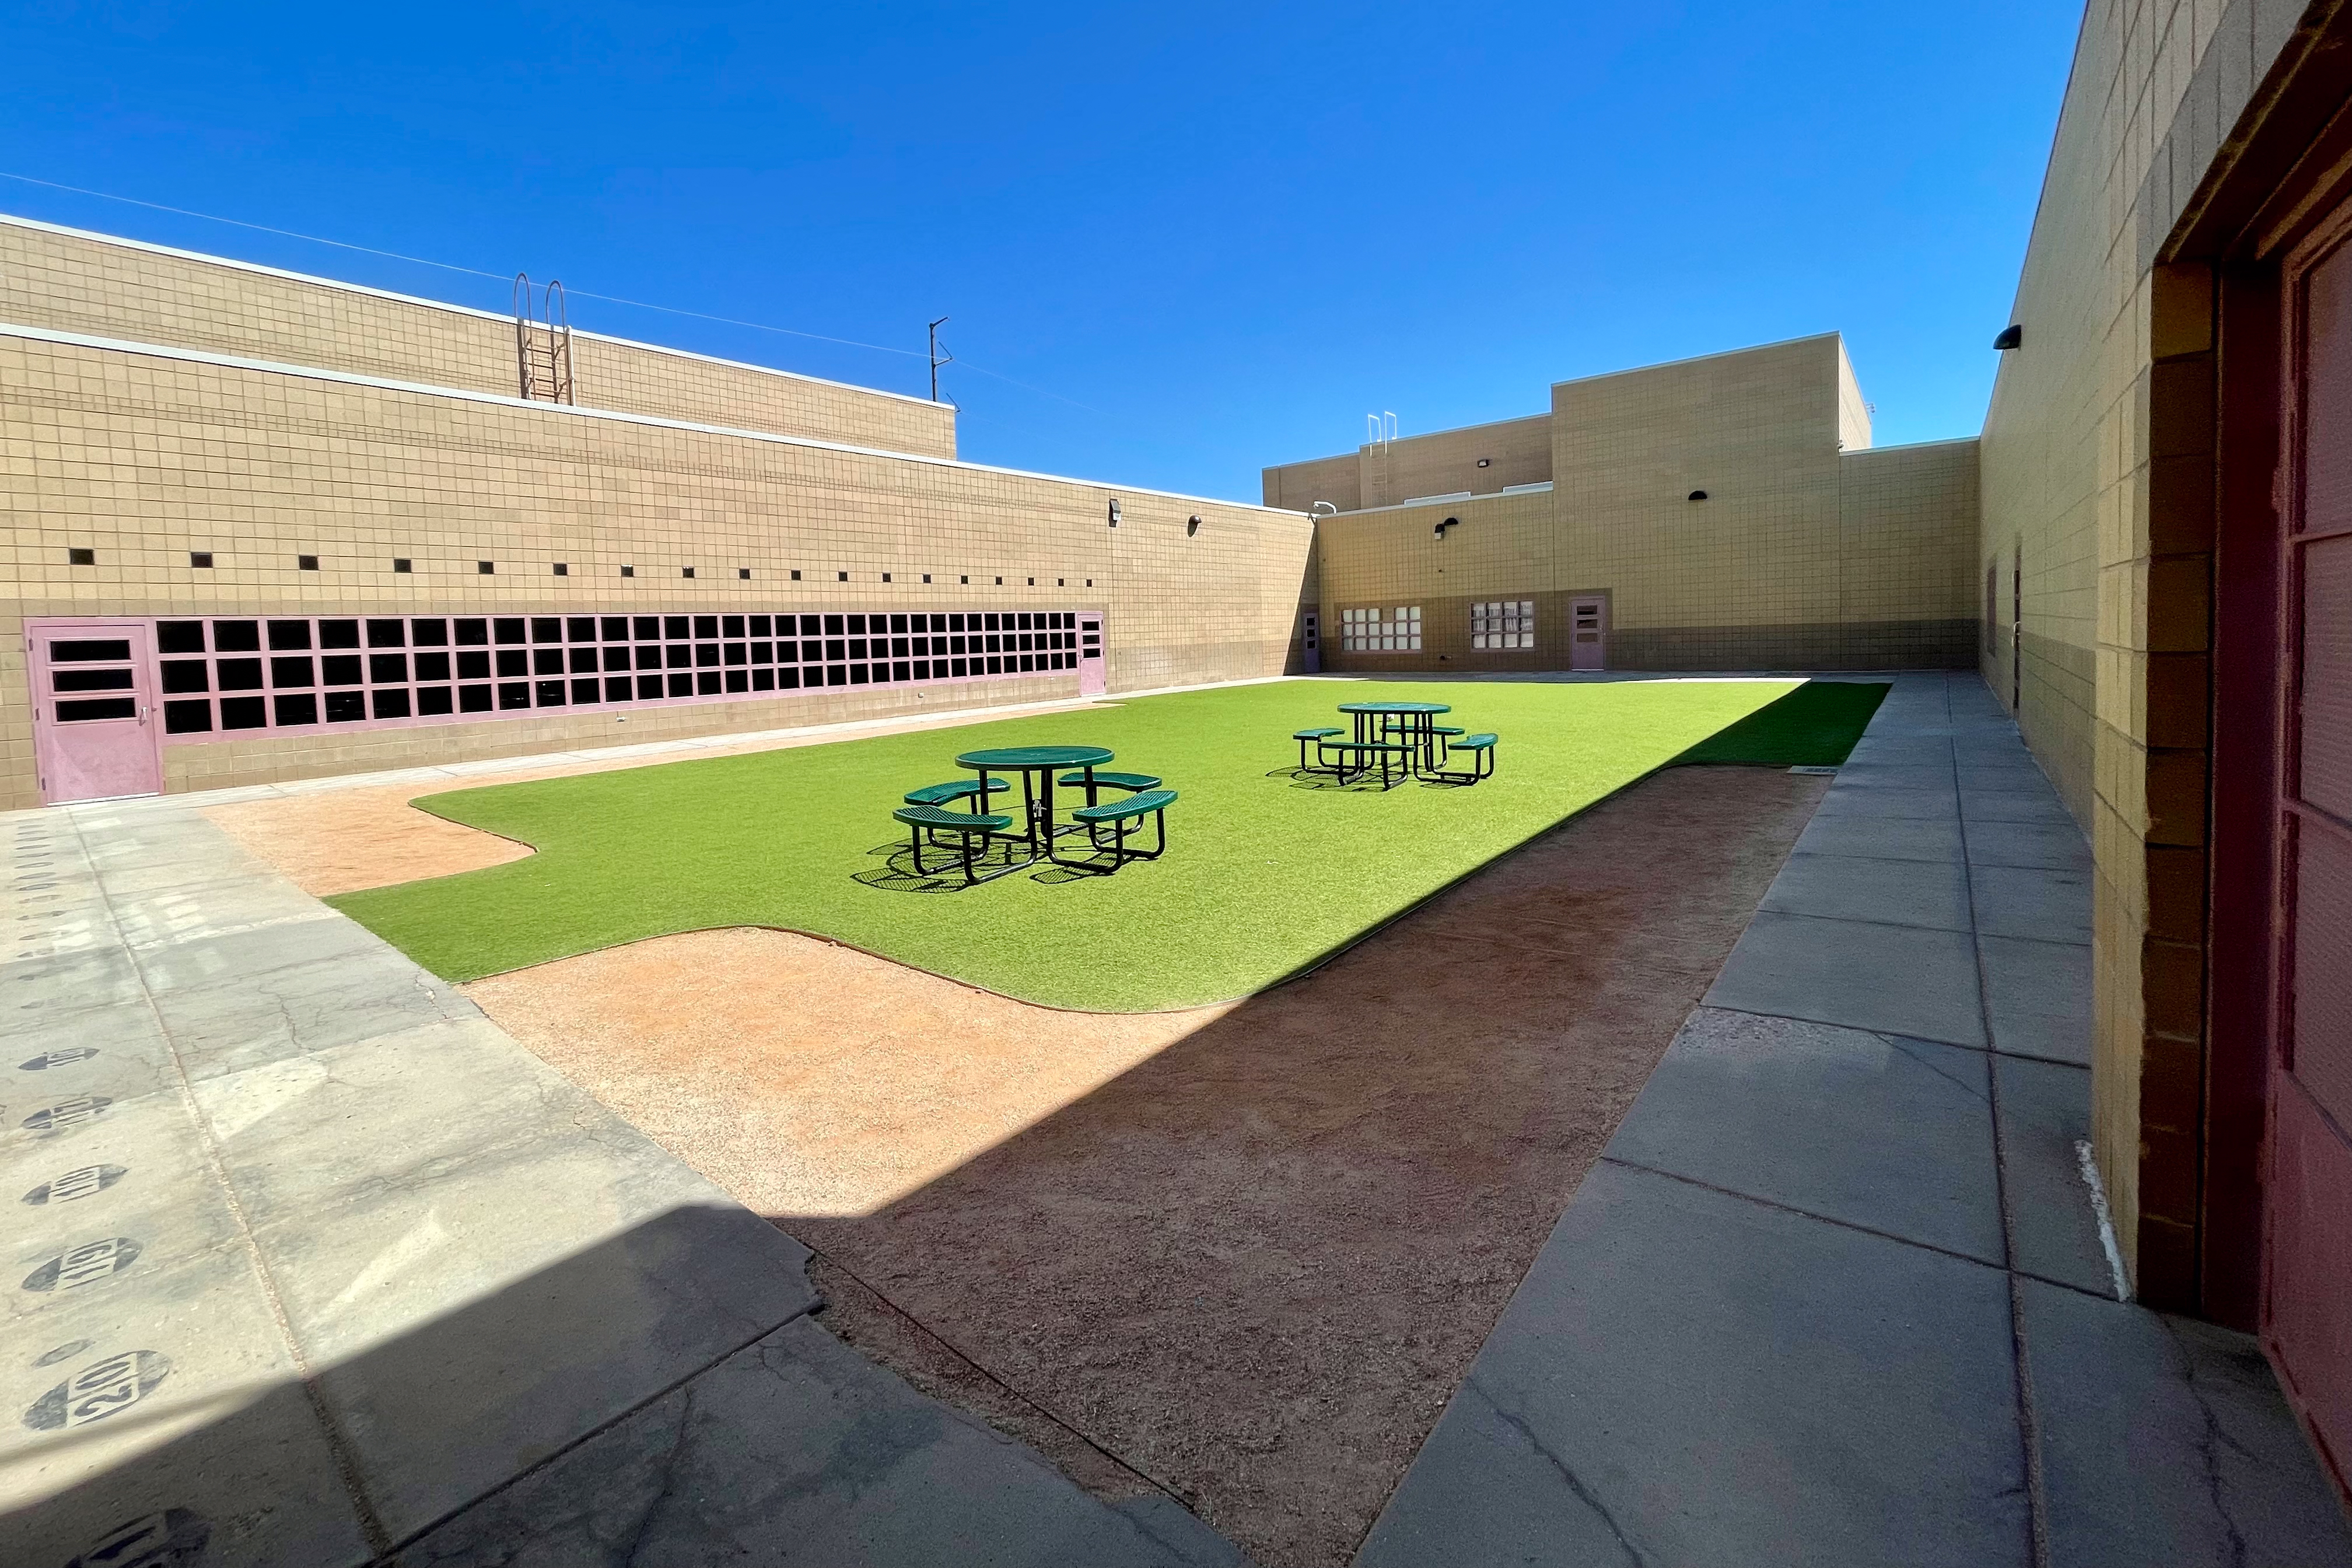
x: 1503, y: 624
x: 228, y: 677
x: 1380, y: 630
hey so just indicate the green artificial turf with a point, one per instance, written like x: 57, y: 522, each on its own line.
x: 1813, y: 726
x: 1263, y: 877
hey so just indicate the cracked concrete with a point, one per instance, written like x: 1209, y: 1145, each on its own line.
x: 318, y: 1265
x: 1836, y: 1292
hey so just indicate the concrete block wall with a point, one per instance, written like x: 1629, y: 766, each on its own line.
x: 66, y: 281
x: 2100, y: 427
x: 1810, y: 551
x: 1906, y: 555
x: 1515, y: 452
x: 144, y: 456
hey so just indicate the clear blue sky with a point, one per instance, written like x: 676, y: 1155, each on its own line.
x: 1197, y: 238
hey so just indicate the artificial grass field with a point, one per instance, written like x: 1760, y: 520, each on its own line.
x: 1813, y: 726
x: 1262, y: 877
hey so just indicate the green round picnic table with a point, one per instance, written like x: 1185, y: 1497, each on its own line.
x: 1419, y: 717
x: 1037, y: 765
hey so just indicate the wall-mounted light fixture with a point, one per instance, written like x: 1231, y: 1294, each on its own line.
x: 2010, y: 336
x: 1192, y: 525
x: 1114, y: 513
x: 1485, y: 462
x: 1699, y: 495
x: 1449, y: 523
x: 1322, y: 509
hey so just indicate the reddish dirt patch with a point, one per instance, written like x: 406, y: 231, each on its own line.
x: 340, y: 840
x: 1244, y: 1254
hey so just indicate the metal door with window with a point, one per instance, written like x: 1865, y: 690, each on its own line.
x: 1311, y: 641
x: 1588, y: 633
x: 94, y: 733
x: 2307, y: 1296
x: 1090, y: 654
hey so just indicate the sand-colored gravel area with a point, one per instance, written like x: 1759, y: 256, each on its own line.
x: 1243, y: 1253
x: 330, y: 838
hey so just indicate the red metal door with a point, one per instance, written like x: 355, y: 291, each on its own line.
x: 93, y: 710
x: 2307, y: 1298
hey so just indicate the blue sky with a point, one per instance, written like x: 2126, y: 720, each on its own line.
x: 1177, y: 242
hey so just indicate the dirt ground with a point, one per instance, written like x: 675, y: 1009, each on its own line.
x: 1243, y: 1253
x: 330, y: 839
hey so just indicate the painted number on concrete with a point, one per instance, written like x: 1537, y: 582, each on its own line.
x: 175, y: 1538
x: 85, y: 1265
x: 67, y: 1114
x: 76, y: 1183
x: 97, y: 1392
x: 65, y: 1057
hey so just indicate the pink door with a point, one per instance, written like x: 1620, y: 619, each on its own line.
x: 1090, y: 654
x: 2307, y: 1304
x: 94, y: 710
x: 1588, y: 633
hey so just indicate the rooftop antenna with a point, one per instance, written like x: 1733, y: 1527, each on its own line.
x: 936, y: 359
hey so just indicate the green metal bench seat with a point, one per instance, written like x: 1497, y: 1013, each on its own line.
x: 1394, y: 759
x: 1481, y: 748
x: 959, y: 789
x: 1317, y: 737
x: 1137, y: 783
x: 1123, y: 816
x: 972, y: 829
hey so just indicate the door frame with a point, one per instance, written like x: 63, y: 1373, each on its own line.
x: 1568, y: 604
x: 1102, y: 652
x: 140, y: 631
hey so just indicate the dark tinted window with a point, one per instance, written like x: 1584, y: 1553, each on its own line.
x: 77, y: 652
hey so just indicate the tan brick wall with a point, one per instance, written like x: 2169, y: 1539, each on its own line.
x: 144, y: 458
x: 91, y: 284
x: 2109, y: 385
x: 1906, y: 554
x: 1802, y: 557
x: 1516, y: 452
x: 1297, y: 487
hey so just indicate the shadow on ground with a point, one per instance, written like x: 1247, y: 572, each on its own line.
x: 1251, y: 1269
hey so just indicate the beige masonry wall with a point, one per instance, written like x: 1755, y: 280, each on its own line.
x: 1516, y: 452
x: 1802, y: 556
x: 70, y: 281
x: 1906, y: 553
x: 2108, y: 390
x: 144, y: 456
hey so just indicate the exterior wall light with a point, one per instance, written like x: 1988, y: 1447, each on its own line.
x: 1699, y: 495
x: 1449, y: 523
x: 1484, y: 462
x: 2010, y: 336
x: 1192, y: 525
x: 1114, y: 513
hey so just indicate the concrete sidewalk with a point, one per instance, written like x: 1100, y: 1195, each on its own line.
x: 1837, y: 1291
x: 318, y: 1267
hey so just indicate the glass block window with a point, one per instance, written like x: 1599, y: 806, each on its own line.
x: 1380, y: 630
x: 1506, y: 623
x: 224, y: 678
